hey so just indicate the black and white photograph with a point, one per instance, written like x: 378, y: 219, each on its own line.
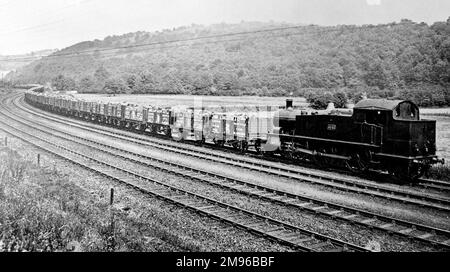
x: 247, y: 127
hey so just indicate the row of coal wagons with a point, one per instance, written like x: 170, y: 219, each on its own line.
x: 236, y: 129
x: 129, y: 116
x: 240, y: 130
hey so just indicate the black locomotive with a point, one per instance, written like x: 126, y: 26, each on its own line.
x: 380, y: 134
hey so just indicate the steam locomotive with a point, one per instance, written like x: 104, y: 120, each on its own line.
x: 379, y: 134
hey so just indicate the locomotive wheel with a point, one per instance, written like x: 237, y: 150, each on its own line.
x: 359, y: 162
x: 317, y: 160
x: 351, y: 166
x: 401, y: 174
x: 409, y: 174
x: 363, y: 160
x: 326, y: 161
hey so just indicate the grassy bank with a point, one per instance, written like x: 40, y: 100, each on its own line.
x: 41, y: 211
x: 57, y: 207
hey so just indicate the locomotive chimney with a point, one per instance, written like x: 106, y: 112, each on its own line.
x: 288, y: 103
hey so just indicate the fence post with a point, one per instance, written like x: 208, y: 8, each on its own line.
x: 6, y: 140
x: 111, y: 199
x: 39, y: 159
x: 112, y: 242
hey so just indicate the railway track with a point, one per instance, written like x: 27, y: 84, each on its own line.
x: 423, y: 183
x: 344, y: 184
x: 414, y: 231
x: 435, y: 184
x: 269, y: 228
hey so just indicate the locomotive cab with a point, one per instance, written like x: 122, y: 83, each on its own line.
x: 381, y: 111
x: 407, y: 144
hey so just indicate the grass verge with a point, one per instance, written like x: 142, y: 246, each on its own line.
x: 440, y: 172
x: 41, y: 211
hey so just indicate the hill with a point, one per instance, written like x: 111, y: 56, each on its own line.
x: 402, y: 60
x: 13, y: 62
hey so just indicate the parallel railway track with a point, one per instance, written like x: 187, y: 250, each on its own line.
x: 422, y: 233
x: 278, y: 231
x: 344, y: 184
x: 282, y: 165
x: 435, y: 184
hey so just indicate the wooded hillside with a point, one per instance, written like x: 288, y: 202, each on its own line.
x: 403, y: 60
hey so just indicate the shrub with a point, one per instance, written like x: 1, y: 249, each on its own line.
x: 319, y: 102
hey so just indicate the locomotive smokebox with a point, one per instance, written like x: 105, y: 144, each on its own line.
x: 288, y: 103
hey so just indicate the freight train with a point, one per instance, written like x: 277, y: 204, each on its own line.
x: 379, y: 134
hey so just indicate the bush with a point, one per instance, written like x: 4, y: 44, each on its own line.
x: 115, y: 86
x: 62, y: 83
x: 319, y: 102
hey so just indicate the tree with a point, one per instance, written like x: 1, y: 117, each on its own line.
x: 339, y: 99
x: 203, y: 82
x: 101, y: 74
x: 115, y: 86
x: 132, y: 81
x: 376, y: 75
x: 86, y: 85
x: 357, y: 96
x: 62, y: 83
x: 376, y: 60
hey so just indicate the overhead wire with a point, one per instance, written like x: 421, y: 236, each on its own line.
x: 33, y: 27
x: 45, y: 13
x: 142, y: 46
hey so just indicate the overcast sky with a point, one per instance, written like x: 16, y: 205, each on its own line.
x: 27, y: 25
